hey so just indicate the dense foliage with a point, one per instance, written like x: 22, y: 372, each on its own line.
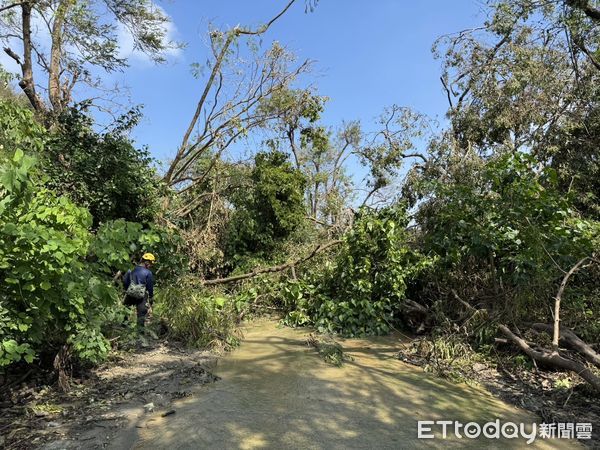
x: 200, y: 317
x: 504, y: 236
x: 490, y: 217
x: 269, y: 211
x: 49, y: 297
x: 57, y: 274
x: 103, y: 172
x: 362, y: 291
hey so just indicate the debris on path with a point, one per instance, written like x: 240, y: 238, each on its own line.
x: 124, y: 393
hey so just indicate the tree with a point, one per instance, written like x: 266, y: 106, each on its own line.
x: 81, y: 40
x: 295, y: 110
x: 270, y: 210
x: 315, y: 149
x: 396, y: 141
x: 229, y: 106
x: 527, y: 81
x: 102, y: 171
x: 325, y: 154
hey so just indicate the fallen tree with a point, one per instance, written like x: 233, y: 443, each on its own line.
x: 572, y: 340
x: 552, y: 358
x: 289, y: 265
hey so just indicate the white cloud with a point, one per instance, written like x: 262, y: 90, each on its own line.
x: 127, y: 46
x: 125, y: 41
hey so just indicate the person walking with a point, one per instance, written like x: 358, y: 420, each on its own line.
x: 139, y: 288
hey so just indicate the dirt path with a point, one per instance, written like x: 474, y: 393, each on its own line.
x: 275, y: 392
x: 102, y: 408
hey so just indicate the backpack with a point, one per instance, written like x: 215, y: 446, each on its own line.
x: 136, y: 291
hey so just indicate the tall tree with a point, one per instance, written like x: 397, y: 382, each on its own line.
x: 67, y: 40
x: 229, y: 104
x: 527, y: 81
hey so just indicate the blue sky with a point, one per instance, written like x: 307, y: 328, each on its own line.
x: 369, y: 54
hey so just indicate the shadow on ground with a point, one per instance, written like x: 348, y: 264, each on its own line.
x: 275, y: 392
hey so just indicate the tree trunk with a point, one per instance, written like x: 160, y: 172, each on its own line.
x: 561, y: 290
x: 553, y: 359
x: 27, y: 83
x: 54, y: 88
x: 573, y: 341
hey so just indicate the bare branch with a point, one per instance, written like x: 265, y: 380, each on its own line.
x: 12, y: 5
x: 184, y: 151
x: 266, y: 26
x: 558, y: 298
x: 13, y: 55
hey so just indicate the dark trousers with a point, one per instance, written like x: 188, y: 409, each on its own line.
x: 141, y: 308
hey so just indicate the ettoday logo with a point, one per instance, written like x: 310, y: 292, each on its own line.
x: 429, y: 429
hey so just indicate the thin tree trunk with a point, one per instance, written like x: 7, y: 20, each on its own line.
x: 54, y: 88
x: 561, y: 289
x: 27, y: 83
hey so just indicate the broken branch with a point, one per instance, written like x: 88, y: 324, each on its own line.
x: 280, y: 268
x: 552, y: 358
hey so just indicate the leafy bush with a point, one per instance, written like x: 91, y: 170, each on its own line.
x: 270, y: 211
x: 18, y: 129
x: 56, y: 289
x: 361, y: 293
x: 118, y: 244
x: 198, y: 317
x: 48, y: 296
x: 103, y: 172
x: 504, y: 236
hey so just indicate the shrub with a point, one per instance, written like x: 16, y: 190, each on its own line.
x: 269, y: 212
x: 48, y: 297
x: 504, y: 235
x: 103, y: 172
x: 118, y: 244
x: 198, y: 317
x: 361, y: 293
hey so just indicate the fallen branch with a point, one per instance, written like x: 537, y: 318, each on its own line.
x: 462, y: 302
x: 317, y: 221
x: 573, y: 341
x: 319, y: 248
x: 413, y: 306
x: 561, y: 289
x: 552, y: 358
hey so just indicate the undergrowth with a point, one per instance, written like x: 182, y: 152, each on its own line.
x: 199, y: 317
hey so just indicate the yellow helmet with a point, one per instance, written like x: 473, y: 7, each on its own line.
x: 148, y: 257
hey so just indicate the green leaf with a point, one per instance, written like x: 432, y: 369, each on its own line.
x: 18, y: 155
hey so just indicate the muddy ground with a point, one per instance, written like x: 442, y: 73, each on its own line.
x: 535, y: 389
x: 131, y: 390
x: 143, y: 395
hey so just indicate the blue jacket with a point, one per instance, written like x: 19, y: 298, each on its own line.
x: 140, y: 275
